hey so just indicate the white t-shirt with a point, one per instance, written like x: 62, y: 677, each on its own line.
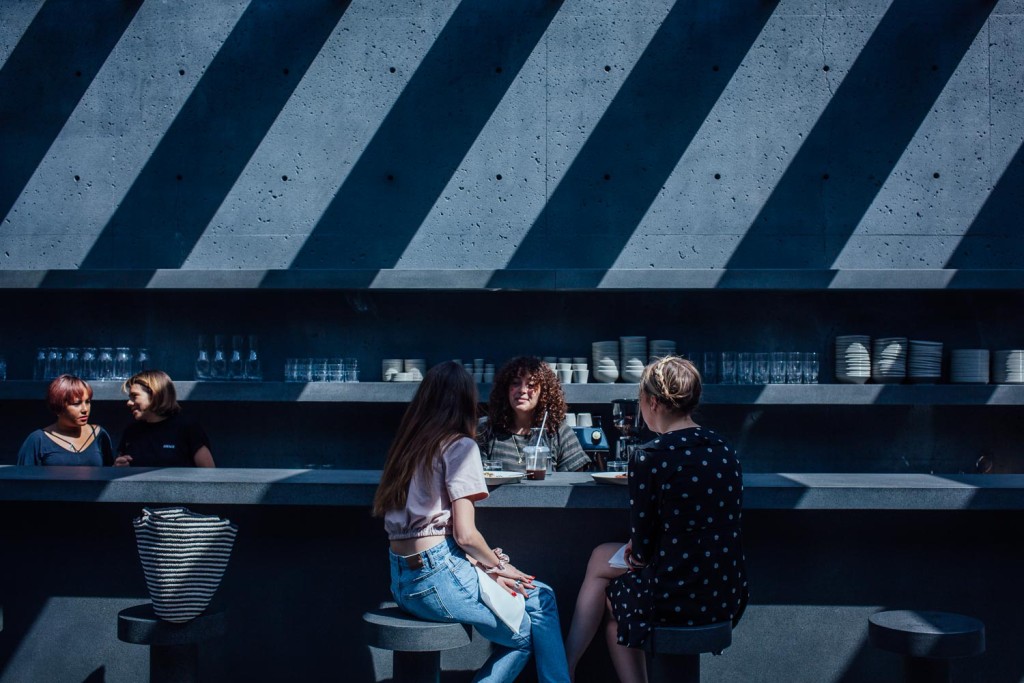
x: 456, y: 473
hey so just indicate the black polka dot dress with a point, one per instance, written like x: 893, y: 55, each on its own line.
x: 686, y: 500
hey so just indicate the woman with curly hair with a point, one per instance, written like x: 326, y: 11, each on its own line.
x: 524, y: 389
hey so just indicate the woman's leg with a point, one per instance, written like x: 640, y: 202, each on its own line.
x: 629, y: 662
x: 546, y: 633
x: 590, y: 603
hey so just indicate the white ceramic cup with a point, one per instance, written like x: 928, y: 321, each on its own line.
x: 584, y: 420
x: 570, y: 419
x: 565, y: 376
x: 580, y: 376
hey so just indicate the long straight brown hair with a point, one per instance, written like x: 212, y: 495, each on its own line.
x: 443, y: 408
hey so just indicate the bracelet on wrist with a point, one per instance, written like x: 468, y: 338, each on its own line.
x: 500, y: 567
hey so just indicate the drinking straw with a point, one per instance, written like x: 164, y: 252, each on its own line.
x: 542, y: 423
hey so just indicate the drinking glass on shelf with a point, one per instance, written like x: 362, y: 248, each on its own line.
x: 219, y: 366
x: 203, y: 368
x: 253, y: 369
x: 810, y: 367
x: 54, y: 362
x: 794, y: 368
x: 141, y: 360
x: 778, y: 367
x: 761, y: 368
x: 745, y: 368
x: 304, y: 370
x: 318, y: 371
x: 335, y: 370
x: 39, y: 371
x: 351, y: 370
x: 122, y: 363
x: 710, y: 370
x: 73, y: 361
x: 728, y: 367
x: 105, y: 363
x: 89, y: 369
x: 236, y: 366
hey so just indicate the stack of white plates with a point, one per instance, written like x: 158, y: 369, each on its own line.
x: 925, y: 364
x: 606, y: 361
x: 417, y: 367
x: 889, y: 360
x: 1008, y: 366
x: 853, y: 358
x: 968, y: 366
x: 633, y: 354
x: 659, y: 348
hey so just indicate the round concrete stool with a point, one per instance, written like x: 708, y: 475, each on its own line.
x: 675, y: 651
x: 416, y: 644
x: 173, y: 648
x: 927, y: 641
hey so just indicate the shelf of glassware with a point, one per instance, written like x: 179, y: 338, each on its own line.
x: 714, y: 394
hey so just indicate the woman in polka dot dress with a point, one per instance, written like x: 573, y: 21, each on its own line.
x: 685, y: 553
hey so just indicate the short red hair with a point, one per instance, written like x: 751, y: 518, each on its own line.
x: 65, y: 390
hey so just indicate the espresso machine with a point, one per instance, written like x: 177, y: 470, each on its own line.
x: 628, y: 421
x: 594, y: 441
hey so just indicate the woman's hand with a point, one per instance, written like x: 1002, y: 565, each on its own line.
x: 122, y: 461
x: 514, y: 585
x: 632, y: 563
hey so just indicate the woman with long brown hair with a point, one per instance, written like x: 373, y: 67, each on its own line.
x: 525, y: 390
x: 431, y: 481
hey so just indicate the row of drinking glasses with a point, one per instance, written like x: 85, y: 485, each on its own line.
x: 762, y: 367
x: 321, y: 370
x: 90, y: 362
x: 223, y: 364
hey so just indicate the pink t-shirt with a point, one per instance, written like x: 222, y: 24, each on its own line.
x: 457, y: 473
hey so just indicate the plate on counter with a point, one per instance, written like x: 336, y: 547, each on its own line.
x: 496, y: 478
x: 610, y: 478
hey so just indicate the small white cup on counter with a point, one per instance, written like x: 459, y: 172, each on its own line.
x: 584, y: 420
x: 570, y: 419
x: 565, y: 376
x: 580, y: 376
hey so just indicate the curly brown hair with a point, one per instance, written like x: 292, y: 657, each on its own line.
x: 552, y: 398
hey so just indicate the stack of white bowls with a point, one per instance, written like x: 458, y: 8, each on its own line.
x: 659, y: 348
x: 968, y: 366
x: 889, y: 360
x: 633, y: 356
x: 390, y: 368
x: 925, y: 364
x: 853, y: 358
x: 606, y: 361
x: 1008, y: 366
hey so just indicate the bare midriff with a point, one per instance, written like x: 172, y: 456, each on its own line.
x: 411, y: 546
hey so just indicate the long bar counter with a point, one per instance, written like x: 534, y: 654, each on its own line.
x: 575, y: 490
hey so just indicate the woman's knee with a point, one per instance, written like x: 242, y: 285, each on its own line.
x: 599, y: 558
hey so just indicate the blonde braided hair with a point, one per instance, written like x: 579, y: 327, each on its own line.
x: 674, y: 382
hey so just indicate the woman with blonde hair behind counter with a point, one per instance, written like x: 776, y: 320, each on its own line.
x: 683, y: 564
x: 431, y: 481
x: 161, y: 435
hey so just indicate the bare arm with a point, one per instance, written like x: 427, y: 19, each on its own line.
x: 472, y: 542
x: 203, y: 457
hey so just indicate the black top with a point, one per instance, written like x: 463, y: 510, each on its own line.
x: 686, y: 501
x: 169, y: 443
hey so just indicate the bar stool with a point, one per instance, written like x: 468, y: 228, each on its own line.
x: 416, y: 644
x: 927, y: 641
x: 674, y: 652
x: 173, y: 648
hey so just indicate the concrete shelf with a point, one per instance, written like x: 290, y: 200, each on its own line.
x: 402, y: 392
x: 525, y: 280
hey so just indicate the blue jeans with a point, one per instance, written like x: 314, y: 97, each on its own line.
x: 446, y: 589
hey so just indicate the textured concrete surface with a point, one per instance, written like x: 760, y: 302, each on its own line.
x: 491, y: 135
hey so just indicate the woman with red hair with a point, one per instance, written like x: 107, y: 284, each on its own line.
x: 71, y: 440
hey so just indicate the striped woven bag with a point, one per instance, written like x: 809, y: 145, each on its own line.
x: 184, y: 556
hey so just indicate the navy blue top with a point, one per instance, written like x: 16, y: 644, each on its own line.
x: 172, y: 442
x: 39, y: 449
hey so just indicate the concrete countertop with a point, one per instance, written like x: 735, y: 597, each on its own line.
x: 560, y: 490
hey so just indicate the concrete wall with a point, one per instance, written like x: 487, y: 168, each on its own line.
x: 498, y: 134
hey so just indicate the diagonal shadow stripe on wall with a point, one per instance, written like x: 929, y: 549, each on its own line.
x: 215, y: 134
x: 641, y: 137
x: 426, y: 134
x: 866, y: 127
x: 995, y: 238
x: 44, y: 79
